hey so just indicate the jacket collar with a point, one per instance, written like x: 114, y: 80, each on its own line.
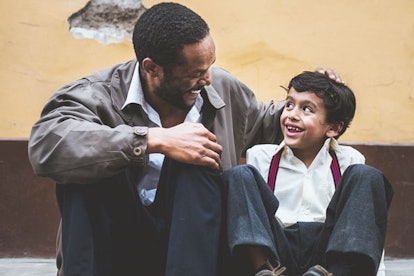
x: 121, y: 82
x: 213, y: 97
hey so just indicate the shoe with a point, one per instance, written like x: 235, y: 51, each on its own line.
x: 274, y: 270
x: 317, y: 270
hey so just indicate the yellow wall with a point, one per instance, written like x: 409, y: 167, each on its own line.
x: 263, y: 42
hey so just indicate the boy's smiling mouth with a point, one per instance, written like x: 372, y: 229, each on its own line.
x: 293, y: 128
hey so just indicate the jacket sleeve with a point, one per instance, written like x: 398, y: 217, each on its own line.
x: 80, y: 138
x: 253, y: 121
x: 263, y: 123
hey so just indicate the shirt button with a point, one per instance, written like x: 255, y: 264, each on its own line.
x: 141, y: 131
x: 137, y: 151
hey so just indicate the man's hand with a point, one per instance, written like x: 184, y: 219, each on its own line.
x: 331, y: 74
x: 187, y: 142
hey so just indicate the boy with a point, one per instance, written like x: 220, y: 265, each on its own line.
x: 309, y: 221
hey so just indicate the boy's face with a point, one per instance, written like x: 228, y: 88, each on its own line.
x: 303, y: 122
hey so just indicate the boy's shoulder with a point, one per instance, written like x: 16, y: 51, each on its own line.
x: 267, y: 149
x: 261, y: 153
x: 349, y: 154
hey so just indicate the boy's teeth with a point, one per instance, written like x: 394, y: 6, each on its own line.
x: 293, y: 128
x: 196, y: 91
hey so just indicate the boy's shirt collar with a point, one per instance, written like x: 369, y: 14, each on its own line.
x: 329, y: 144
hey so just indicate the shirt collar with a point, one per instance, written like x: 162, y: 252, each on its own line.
x: 135, y: 92
x: 329, y: 144
x: 136, y: 96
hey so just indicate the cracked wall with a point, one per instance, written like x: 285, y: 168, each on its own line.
x: 264, y: 43
x: 107, y: 21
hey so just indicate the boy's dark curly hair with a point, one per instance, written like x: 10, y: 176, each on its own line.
x: 338, y: 98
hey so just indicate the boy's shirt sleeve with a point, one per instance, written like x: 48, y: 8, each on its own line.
x: 260, y: 156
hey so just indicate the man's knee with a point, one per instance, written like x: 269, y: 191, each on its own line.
x: 239, y: 174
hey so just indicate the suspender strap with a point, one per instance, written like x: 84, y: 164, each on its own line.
x: 336, y: 171
x: 274, y: 167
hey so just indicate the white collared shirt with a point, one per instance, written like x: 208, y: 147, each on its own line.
x: 303, y: 193
x: 147, y: 185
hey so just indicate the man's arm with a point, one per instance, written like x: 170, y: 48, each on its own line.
x: 80, y: 138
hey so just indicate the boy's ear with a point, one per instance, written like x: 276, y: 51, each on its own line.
x: 334, y: 130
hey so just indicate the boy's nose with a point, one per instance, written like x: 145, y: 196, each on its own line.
x: 293, y: 115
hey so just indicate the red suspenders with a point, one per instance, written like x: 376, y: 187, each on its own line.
x: 274, y: 166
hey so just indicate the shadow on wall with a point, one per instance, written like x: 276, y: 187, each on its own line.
x: 107, y: 21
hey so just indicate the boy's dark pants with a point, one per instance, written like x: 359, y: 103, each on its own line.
x: 354, y: 230
x: 107, y: 231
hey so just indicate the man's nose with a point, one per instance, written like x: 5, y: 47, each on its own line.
x: 205, y: 79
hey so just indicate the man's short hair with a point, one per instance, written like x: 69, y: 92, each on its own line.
x: 162, y: 31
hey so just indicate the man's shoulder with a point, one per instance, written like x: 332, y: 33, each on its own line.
x: 220, y: 71
x: 96, y: 88
x: 226, y: 84
x: 121, y: 70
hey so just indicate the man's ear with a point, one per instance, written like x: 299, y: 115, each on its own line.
x: 334, y: 130
x: 151, y: 68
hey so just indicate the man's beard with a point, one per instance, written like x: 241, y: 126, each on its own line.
x: 172, y: 95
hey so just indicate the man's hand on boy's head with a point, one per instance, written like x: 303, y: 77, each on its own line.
x: 331, y: 74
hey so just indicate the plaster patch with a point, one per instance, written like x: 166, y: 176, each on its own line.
x: 107, y: 21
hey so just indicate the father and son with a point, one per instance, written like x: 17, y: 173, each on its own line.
x: 146, y: 159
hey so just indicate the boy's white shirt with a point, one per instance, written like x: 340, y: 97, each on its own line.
x: 304, y: 193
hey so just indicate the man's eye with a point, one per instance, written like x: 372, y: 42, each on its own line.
x: 307, y: 109
x: 197, y: 75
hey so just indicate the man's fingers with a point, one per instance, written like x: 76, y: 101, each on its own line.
x: 214, y: 151
x: 331, y: 74
x: 212, y: 161
x: 320, y: 70
x: 334, y: 75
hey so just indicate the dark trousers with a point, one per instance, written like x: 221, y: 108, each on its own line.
x: 354, y: 230
x: 107, y: 231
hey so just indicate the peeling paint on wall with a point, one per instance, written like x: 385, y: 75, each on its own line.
x: 107, y: 21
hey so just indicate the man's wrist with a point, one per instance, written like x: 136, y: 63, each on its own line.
x: 155, y: 143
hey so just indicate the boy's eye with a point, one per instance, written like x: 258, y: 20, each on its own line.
x: 288, y: 104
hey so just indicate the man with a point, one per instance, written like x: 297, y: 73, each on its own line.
x: 103, y: 139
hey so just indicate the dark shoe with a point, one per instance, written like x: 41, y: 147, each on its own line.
x: 317, y: 270
x: 274, y: 270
